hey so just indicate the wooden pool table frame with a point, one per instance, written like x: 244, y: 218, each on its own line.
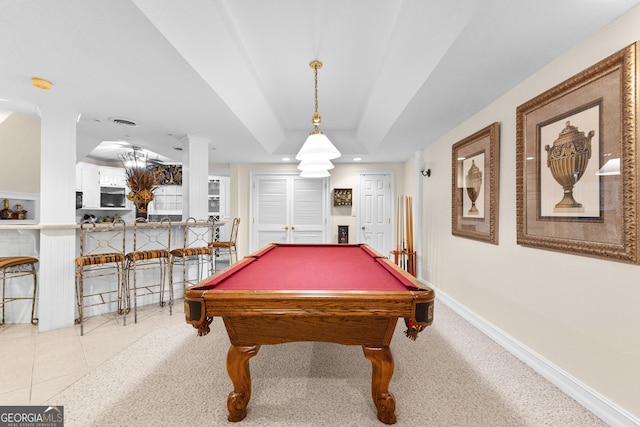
x: 366, y: 318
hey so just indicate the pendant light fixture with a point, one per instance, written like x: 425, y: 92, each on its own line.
x: 315, y: 164
x: 314, y: 174
x: 317, y: 149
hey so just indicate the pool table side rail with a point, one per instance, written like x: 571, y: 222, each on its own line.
x: 416, y: 307
x: 203, y: 302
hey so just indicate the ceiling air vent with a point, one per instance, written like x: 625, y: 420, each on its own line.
x: 123, y: 122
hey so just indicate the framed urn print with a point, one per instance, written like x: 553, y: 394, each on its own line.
x: 576, y: 163
x: 474, y: 185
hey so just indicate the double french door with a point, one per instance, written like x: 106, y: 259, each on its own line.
x: 288, y: 209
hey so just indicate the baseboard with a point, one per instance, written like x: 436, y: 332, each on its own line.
x: 603, y: 408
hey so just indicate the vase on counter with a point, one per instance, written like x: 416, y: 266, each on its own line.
x: 141, y: 210
x: 19, y: 213
x: 6, y: 213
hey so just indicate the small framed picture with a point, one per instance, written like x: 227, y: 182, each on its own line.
x: 342, y: 197
x: 343, y: 234
x: 474, y: 185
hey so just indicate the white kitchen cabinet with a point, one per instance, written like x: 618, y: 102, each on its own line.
x: 112, y: 176
x: 88, y: 178
x: 218, y: 196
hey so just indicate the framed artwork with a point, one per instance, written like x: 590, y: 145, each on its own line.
x: 474, y: 185
x: 343, y: 234
x: 168, y: 174
x: 576, y: 163
x: 342, y: 197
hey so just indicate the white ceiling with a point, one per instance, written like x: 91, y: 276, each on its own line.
x: 397, y: 75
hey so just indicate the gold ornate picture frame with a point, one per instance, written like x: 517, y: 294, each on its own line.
x: 577, y: 163
x: 474, y: 185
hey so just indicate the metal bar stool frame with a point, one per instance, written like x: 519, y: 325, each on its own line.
x: 197, y: 237
x: 18, y: 266
x: 229, y: 246
x: 152, y: 253
x: 102, y: 250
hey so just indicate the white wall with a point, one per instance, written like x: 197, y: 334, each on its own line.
x: 20, y: 148
x: 580, y: 314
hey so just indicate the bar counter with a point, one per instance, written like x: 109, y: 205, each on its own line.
x: 14, y: 226
x: 56, y: 246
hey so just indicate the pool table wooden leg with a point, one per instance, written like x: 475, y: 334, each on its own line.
x: 382, y: 363
x: 238, y: 369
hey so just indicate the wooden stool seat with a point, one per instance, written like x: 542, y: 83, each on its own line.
x: 17, y: 266
x: 13, y: 261
x: 185, y: 252
x: 99, y: 259
x: 141, y: 256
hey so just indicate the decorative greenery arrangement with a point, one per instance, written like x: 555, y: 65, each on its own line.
x: 142, y: 182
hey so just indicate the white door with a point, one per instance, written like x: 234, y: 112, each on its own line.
x: 374, y: 218
x: 269, y: 217
x: 287, y: 209
x: 308, y: 210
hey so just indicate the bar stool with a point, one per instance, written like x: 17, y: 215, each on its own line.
x: 227, y: 246
x: 102, y: 253
x: 196, y: 248
x: 18, y: 266
x: 151, y: 246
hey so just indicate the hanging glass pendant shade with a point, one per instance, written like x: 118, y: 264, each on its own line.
x: 314, y: 174
x: 317, y: 146
x: 315, y: 165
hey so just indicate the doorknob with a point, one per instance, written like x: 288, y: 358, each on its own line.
x: 293, y: 228
x: 286, y: 228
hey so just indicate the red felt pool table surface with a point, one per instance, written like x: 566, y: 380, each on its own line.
x: 312, y: 267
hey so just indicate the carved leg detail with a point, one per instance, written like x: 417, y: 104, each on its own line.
x: 382, y: 364
x: 238, y: 370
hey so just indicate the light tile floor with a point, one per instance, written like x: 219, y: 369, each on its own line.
x: 35, y: 366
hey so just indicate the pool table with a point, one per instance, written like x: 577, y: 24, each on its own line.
x: 338, y: 293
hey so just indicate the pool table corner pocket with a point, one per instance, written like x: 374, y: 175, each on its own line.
x: 195, y: 315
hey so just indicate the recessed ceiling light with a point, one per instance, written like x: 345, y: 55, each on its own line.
x: 123, y: 122
x: 41, y: 83
x: 357, y: 159
x: 286, y: 159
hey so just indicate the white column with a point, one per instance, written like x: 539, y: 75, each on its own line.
x: 195, y: 176
x: 56, y: 299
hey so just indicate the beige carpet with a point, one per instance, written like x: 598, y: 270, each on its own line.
x: 453, y: 375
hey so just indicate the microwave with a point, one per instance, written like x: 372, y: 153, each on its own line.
x: 113, y: 197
